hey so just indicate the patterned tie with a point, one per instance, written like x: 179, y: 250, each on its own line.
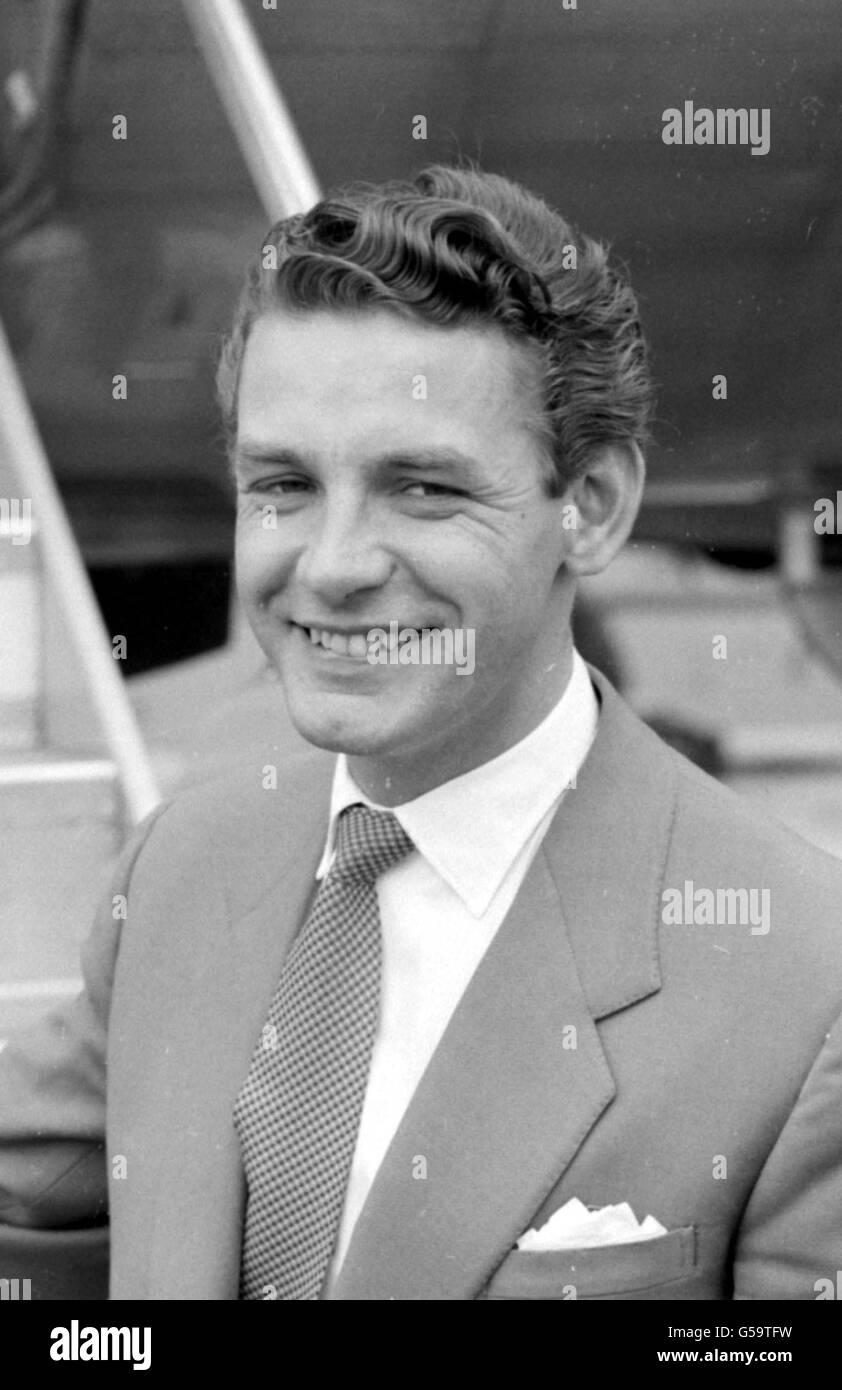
x: 298, y: 1113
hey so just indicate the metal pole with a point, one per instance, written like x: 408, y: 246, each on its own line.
x: 21, y: 443
x: 265, y: 131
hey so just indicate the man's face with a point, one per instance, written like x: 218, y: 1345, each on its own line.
x: 386, y: 473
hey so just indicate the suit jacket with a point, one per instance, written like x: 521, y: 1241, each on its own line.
x: 702, y: 1083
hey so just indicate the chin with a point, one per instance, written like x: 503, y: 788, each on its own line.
x: 357, y: 737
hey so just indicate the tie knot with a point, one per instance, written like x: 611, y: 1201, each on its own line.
x: 368, y: 842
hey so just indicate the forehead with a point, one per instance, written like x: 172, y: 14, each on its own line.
x: 374, y: 373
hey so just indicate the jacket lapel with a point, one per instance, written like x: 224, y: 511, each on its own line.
x: 508, y: 1099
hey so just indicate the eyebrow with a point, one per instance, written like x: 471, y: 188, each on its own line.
x: 247, y: 453
x: 439, y: 459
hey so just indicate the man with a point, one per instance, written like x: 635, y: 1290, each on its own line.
x: 509, y: 961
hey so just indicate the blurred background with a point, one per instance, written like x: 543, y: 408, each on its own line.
x: 121, y: 257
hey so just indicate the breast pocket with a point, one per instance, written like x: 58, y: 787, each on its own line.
x: 635, y: 1269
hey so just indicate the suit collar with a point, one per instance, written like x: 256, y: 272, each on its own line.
x: 607, y: 850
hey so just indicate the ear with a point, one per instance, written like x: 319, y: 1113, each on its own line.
x: 607, y: 499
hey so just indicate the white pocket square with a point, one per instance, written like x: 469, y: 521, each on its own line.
x: 575, y: 1226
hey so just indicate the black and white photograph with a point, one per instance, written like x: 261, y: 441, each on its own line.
x: 421, y: 665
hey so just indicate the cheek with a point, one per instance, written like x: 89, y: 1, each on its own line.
x: 262, y: 562
x: 516, y: 598
x: 460, y: 556
x: 500, y: 574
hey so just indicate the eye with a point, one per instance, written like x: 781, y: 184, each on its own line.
x: 290, y: 484
x: 431, y: 490
x: 287, y: 486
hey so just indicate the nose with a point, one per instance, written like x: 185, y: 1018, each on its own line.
x: 344, y: 553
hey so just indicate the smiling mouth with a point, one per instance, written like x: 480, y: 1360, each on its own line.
x: 353, y: 644
x: 349, y: 644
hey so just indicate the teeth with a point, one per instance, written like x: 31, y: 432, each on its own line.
x: 340, y: 643
x: 356, y: 644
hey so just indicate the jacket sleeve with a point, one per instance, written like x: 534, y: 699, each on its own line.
x: 790, y: 1243
x: 52, y: 1086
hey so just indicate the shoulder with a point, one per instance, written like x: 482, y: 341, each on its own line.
x: 727, y: 833
x: 708, y: 840
x: 750, y: 913
x: 241, y: 817
x: 705, y: 821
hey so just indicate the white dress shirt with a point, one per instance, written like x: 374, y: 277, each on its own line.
x: 475, y: 838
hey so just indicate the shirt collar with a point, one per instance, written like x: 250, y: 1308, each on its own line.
x: 472, y: 828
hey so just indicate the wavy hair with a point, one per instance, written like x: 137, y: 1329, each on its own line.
x: 460, y: 247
